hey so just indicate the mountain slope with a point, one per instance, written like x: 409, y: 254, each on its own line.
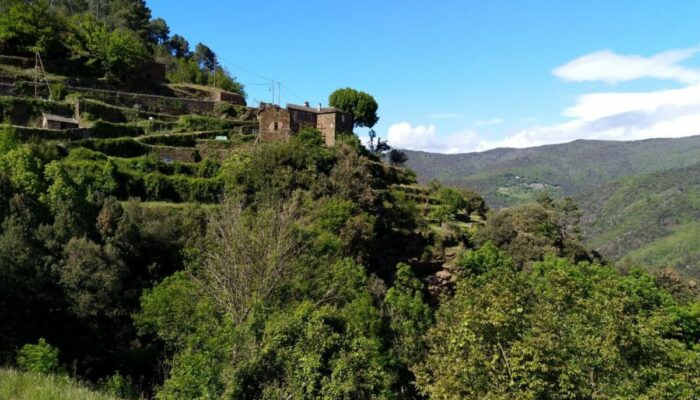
x: 649, y: 219
x: 512, y: 176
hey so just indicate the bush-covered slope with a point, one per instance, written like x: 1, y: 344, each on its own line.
x: 513, y: 176
x: 652, y: 217
x: 32, y: 386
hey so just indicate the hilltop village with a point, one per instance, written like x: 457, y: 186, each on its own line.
x: 90, y: 113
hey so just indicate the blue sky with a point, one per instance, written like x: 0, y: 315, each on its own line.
x: 457, y: 76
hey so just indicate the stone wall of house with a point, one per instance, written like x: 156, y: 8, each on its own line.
x: 301, y: 118
x: 274, y: 123
x: 344, y: 123
x: 326, y: 124
x: 332, y: 123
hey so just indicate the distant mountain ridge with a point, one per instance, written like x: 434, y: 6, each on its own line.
x: 511, y: 176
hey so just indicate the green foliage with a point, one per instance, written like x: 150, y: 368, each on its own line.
x: 562, y: 330
x: 24, y: 169
x: 8, y: 139
x: 477, y: 262
x: 104, y: 130
x: 650, y: 217
x: 58, y: 91
x: 397, y: 157
x: 27, y: 27
x: 188, y: 70
x: 195, y: 123
x: 114, y: 52
x: 92, y: 277
x: 119, y: 386
x: 117, y: 147
x: 32, y: 386
x: 530, y: 232
x: 361, y: 105
x: 409, y: 319
x: 40, y: 357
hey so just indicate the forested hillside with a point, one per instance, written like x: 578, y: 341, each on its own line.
x: 158, y: 248
x: 513, y: 176
x: 647, y: 220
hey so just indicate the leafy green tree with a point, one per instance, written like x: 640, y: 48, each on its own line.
x: 529, y: 232
x: 159, y: 31
x: 27, y: 27
x: 397, y: 157
x: 205, y: 57
x: 92, y: 278
x: 24, y: 169
x: 562, y: 330
x: 485, y: 259
x: 40, y: 357
x: 361, y: 105
x: 409, y: 319
x: 179, y: 47
x: 115, y: 53
x: 8, y: 139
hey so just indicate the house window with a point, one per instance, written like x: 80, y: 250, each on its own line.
x: 275, y: 126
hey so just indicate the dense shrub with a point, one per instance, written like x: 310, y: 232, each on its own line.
x: 119, y: 147
x: 195, y: 123
x: 40, y: 357
x: 104, y: 130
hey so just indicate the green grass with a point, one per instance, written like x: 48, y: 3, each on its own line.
x: 31, y: 386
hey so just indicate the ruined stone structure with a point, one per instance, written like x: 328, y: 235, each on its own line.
x: 278, y: 123
x: 50, y: 121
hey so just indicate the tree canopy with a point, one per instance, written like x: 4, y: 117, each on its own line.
x: 361, y: 105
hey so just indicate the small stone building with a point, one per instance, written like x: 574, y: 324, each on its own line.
x: 277, y: 123
x: 222, y: 95
x: 50, y: 121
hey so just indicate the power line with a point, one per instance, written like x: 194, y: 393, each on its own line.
x: 245, y: 69
x: 292, y: 93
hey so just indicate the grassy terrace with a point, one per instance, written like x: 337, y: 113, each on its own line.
x: 160, y: 156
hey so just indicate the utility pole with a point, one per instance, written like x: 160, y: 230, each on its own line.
x: 36, y: 75
x: 39, y: 66
x: 279, y: 94
x: 273, y: 91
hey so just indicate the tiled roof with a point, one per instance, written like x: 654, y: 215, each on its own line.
x: 324, y: 110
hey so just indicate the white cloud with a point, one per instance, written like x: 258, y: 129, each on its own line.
x: 662, y: 122
x: 596, y: 116
x: 489, y: 122
x: 403, y: 135
x: 593, y: 106
x: 610, y: 67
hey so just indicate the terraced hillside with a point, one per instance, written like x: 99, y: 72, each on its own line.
x: 154, y: 148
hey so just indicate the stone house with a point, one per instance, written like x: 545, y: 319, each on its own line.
x: 277, y: 123
x: 50, y: 121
